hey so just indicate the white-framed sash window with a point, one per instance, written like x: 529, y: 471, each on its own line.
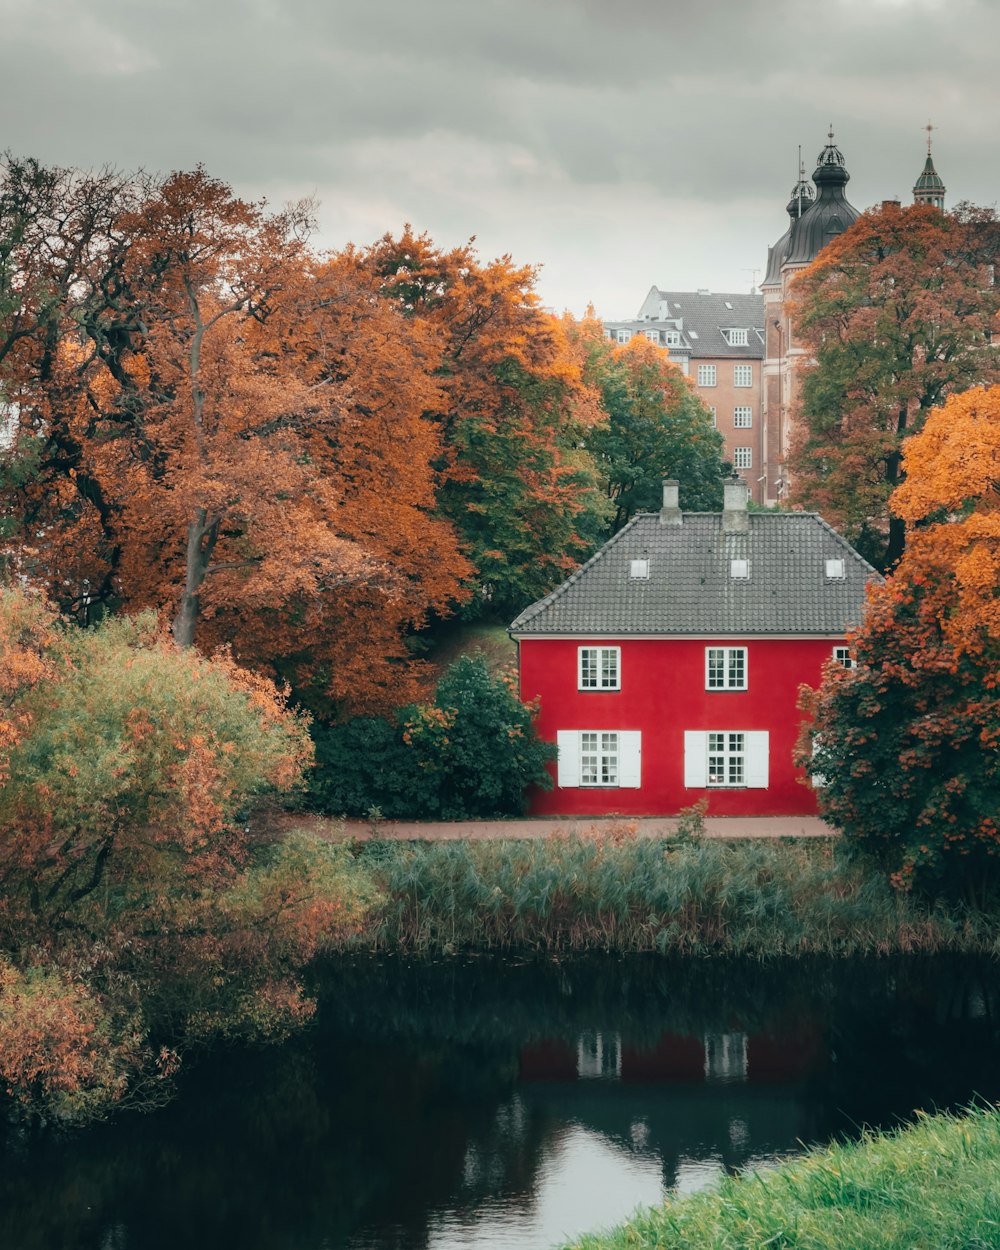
x: 726, y: 758
x: 725, y: 668
x: 599, y: 668
x: 599, y: 758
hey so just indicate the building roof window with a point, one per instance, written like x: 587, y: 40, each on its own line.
x: 639, y: 570
x: 835, y: 570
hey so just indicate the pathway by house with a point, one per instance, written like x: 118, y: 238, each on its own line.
x: 542, y: 827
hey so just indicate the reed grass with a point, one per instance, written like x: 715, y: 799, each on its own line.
x: 620, y: 893
x: 932, y: 1186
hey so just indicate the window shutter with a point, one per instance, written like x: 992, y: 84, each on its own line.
x: 629, y: 759
x: 695, y: 758
x: 818, y: 779
x: 568, y: 768
x: 757, y: 759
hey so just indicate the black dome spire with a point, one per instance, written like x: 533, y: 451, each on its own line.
x: 831, y: 213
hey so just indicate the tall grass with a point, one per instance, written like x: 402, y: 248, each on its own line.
x: 756, y: 899
x: 933, y: 1186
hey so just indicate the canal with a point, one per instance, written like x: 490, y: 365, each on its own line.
x: 492, y: 1105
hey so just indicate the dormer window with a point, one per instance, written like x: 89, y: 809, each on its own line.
x: 739, y: 570
x: 639, y: 570
x: 652, y: 335
x: 835, y: 570
x: 672, y: 338
x: 736, y: 338
x: 623, y: 336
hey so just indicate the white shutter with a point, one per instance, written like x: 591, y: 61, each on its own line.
x: 756, y: 759
x: 695, y: 758
x: 568, y: 767
x: 629, y: 758
x: 818, y: 779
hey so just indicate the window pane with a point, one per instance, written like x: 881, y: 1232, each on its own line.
x: 609, y: 674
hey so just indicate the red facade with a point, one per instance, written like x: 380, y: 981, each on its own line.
x: 663, y: 697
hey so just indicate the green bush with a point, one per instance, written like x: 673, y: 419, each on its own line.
x: 471, y: 753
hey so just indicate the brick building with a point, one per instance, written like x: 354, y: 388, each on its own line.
x: 718, y: 342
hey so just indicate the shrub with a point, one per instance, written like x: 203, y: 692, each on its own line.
x: 471, y: 753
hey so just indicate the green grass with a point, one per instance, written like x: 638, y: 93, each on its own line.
x: 932, y: 1186
x: 750, y: 898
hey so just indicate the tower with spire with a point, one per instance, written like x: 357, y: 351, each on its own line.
x: 815, y: 220
x: 929, y: 188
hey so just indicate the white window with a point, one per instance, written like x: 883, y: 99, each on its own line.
x: 743, y: 417
x: 672, y: 338
x: 739, y: 569
x: 726, y: 758
x: 835, y: 570
x: 742, y: 457
x: 623, y: 336
x: 715, y: 415
x: 639, y: 570
x: 725, y: 668
x: 599, y: 668
x: 843, y: 656
x: 599, y: 757
x: 736, y: 338
x: 742, y: 375
x: 652, y: 335
x: 706, y: 375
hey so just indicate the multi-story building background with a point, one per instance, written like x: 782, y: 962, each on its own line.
x: 717, y: 340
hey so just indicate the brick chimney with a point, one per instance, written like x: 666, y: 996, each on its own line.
x: 670, y: 513
x: 734, y: 507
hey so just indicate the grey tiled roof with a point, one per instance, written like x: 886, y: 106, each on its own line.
x: 690, y: 590
x: 707, y: 314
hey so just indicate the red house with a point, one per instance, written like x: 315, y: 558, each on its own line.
x: 668, y: 665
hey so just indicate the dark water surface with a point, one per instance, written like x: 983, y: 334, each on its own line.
x: 482, y: 1104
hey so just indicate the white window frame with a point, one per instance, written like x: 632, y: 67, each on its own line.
x: 754, y: 755
x: 672, y: 338
x: 737, y: 338
x: 742, y: 375
x: 835, y: 568
x: 598, y: 668
x: 653, y: 336
x: 726, y: 668
x: 623, y: 336
x: 842, y: 654
x: 715, y: 415
x: 599, y: 759
x: 707, y: 375
x: 742, y: 457
x: 743, y: 417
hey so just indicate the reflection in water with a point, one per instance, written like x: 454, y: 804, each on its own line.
x: 491, y: 1105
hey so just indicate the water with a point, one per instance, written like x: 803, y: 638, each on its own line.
x: 483, y: 1106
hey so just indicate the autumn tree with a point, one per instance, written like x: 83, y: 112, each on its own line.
x: 653, y: 426
x: 232, y: 432
x: 897, y: 313
x: 908, y: 740
x: 135, y: 911
x: 516, y: 479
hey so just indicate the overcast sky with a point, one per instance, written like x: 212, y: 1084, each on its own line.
x: 616, y: 145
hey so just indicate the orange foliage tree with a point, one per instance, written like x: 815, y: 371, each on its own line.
x: 897, y: 313
x: 908, y: 741
x: 135, y: 911
x: 513, y: 411
x: 232, y: 431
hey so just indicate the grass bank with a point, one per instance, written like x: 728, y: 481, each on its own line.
x: 933, y: 1186
x: 749, y: 899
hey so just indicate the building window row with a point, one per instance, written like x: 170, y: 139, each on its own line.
x: 708, y: 375
x: 713, y: 759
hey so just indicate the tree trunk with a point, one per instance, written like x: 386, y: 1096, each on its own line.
x: 201, y: 538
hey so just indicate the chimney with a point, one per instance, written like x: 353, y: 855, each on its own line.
x: 734, y: 507
x: 670, y: 513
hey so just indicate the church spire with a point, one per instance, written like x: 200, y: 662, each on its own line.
x: 929, y: 188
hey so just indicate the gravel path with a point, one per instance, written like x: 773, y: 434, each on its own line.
x: 445, y: 830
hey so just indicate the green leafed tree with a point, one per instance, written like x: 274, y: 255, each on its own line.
x: 653, y: 426
x: 897, y: 313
